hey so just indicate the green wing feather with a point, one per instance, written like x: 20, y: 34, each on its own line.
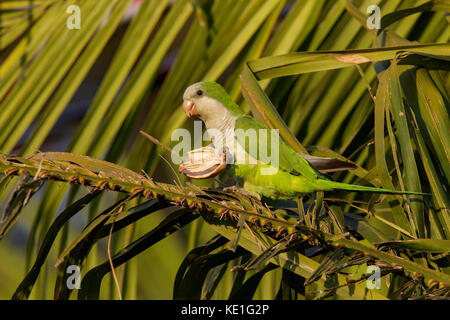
x: 289, y: 159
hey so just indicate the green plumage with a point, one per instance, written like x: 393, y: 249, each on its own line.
x: 289, y: 160
x: 284, y: 185
x: 295, y: 176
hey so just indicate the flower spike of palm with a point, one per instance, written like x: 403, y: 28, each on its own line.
x: 290, y: 176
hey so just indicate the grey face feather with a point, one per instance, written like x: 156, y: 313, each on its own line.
x: 210, y: 110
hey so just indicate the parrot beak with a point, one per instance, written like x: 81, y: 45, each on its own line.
x: 189, y: 108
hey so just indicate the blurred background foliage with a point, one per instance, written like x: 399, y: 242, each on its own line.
x: 90, y: 90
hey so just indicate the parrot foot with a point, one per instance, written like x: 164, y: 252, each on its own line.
x: 235, y: 189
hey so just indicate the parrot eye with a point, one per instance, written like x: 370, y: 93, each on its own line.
x: 200, y: 92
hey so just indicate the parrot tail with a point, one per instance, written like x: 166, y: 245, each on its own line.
x: 333, y: 185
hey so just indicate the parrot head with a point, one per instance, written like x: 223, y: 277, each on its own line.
x: 208, y: 100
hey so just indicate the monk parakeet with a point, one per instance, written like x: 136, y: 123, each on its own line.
x: 292, y: 175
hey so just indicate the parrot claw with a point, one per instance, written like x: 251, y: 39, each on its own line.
x: 235, y: 189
